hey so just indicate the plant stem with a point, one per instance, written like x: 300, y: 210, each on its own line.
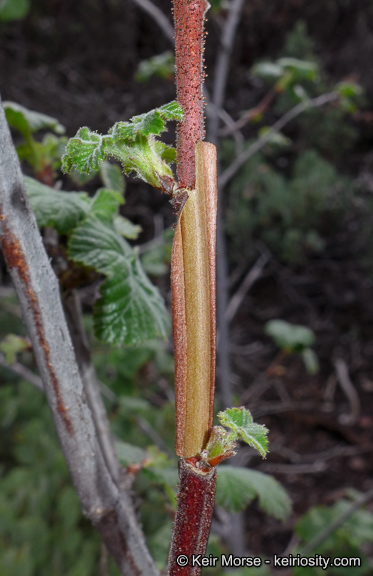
x: 193, y: 289
x: 193, y: 293
x: 189, y: 35
x: 193, y: 518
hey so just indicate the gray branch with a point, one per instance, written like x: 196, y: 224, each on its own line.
x: 74, y: 317
x: 279, y: 125
x: 22, y: 371
x: 159, y: 18
x: 110, y: 510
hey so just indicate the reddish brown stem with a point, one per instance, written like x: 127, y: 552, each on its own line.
x: 189, y: 40
x: 193, y: 518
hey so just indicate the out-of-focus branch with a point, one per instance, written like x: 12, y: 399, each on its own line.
x: 349, y: 391
x: 250, y: 278
x: 250, y: 114
x: 157, y: 15
x: 333, y: 526
x: 74, y: 316
x: 222, y: 64
x: 22, y: 371
x: 110, y: 510
x: 277, y: 126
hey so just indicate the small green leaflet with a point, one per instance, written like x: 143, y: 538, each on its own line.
x: 152, y: 122
x: 237, y: 487
x: 240, y: 422
x: 290, y: 337
x: 11, y: 345
x: 133, y: 143
x: 86, y: 151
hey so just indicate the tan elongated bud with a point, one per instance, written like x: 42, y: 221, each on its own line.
x: 193, y: 281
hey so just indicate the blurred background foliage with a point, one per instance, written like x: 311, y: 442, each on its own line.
x: 305, y: 199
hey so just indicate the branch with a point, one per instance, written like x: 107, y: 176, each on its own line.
x: 250, y: 279
x: 333, y: 526
x: 72, y: 307
x: 349, y: 391
x: 222, y: 64
x: 281, y: 123
x: 37, y: 289
x: 158, y: 17
x: 22, y: 371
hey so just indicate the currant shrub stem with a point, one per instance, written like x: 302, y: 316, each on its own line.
x: 189, y: 42
x: 194, y: 315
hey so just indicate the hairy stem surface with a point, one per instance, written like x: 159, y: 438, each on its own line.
x: 193, y: 518
x: 189, y: 40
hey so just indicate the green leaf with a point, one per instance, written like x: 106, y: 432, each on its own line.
x: 140, y: 156
x: 275, y: 138
x: 166, y: 153
x: 14, y: 9
x: 112, y: 177
x: 171, y: 111
x: 301, y: 69
x: 128, y: 453
x: 131, y: 309
x: 133, y: 143
x: 159, y: 543
x: 237, y: 487
x: 85, y: 151
x: 162, y: 65
x: 152, y: 122
x: 310, y: 361
x: 62, y: 210
x: 156, y: 259
x: 105, y: 204
x: 11, y: 345
x: 28, y: 121
x: 357, y: 529
x: 126, y: 228
x: 165, y: 476
x: 349, y: 89
x: 240, y: 421
x: 300, y: 93
x: 220, y: 444
x: 80, y: 178
x: 267, y: 70
x: 290, y: 337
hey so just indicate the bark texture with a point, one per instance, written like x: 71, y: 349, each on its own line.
x: 191, y: 531
x: 109, y: 509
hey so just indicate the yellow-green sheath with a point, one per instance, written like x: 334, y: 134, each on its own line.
x: 193, y: 285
